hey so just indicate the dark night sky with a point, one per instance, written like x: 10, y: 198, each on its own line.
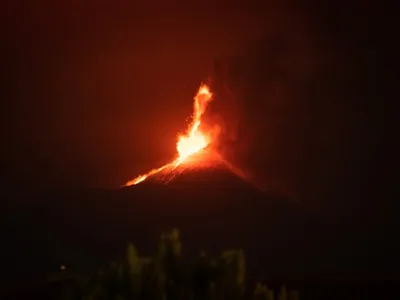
x: 95, y: 93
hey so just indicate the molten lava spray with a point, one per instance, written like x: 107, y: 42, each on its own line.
x: 193, y: 141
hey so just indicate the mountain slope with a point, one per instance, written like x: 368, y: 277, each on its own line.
x: 213, y: 208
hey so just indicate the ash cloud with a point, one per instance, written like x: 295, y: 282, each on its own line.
x: 298, y: 106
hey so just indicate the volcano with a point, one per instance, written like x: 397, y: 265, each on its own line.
x: 217, y: 209
x: 210, y: 199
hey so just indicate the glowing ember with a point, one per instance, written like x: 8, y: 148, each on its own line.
x: 193, y: 141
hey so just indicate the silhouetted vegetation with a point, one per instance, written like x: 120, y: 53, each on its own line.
x: 167, y: 275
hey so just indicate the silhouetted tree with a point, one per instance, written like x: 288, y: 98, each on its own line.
x: 165, y: 277
x: 134, y: 271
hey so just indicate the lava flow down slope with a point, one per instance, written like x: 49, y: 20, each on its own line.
x: 195, y: 149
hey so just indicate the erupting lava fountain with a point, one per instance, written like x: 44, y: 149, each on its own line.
x: 190, y: 143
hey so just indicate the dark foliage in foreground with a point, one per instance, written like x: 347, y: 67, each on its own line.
x: 167, y: 275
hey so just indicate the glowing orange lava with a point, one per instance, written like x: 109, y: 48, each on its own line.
x: 193, y: 141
